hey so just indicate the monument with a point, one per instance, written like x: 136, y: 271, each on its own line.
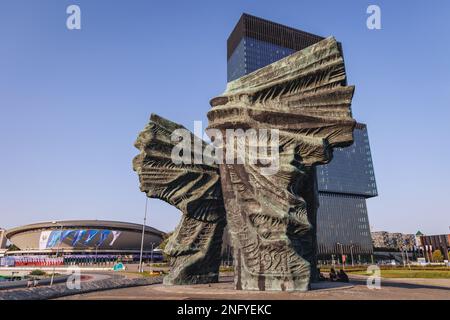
x: 195, y: 246
x: 300, y: 104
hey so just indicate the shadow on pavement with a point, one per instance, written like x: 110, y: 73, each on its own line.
x: 402, y: 285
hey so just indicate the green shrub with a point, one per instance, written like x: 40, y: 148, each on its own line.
x: 163, y: 244
x: 437, y: 256
x: 37, y: 272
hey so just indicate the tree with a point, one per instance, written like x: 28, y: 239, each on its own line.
x: 437, y: 256
x: 13, y: 247
x: 166, y: 237
x: 163, y: 244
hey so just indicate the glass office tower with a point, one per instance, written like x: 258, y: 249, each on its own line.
x: 344, y: 185
x: 348, y: 180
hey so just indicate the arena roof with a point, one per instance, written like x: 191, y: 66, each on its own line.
x: 125, y: 226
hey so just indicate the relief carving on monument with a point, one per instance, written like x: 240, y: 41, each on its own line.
x: 305, y: 98
x: 195, y: 246
x: 300, y: 108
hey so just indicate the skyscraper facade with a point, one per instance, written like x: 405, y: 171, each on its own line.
x: 348, y: 180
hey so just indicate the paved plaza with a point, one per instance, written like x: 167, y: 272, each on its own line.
x: 430, y: 289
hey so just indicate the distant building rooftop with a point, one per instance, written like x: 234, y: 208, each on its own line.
x: 268, y: 31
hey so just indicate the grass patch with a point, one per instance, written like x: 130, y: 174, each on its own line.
x: 37, y: 272
x: 145, y: 274
x: 226, y: 269
x: 347, y: 269
x: 405, y: 273
x: 427, y: 272
x: 158, y: 265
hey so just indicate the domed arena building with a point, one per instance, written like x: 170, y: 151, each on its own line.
x: 81, y: 242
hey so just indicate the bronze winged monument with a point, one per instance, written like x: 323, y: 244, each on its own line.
x: 301, y: 106
x: 195, y: 246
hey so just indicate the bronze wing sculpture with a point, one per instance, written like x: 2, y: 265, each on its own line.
x: 269, y: 204
x: 305, y: 99
x: 195, y: 246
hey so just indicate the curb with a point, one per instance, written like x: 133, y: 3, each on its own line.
x: 61, y: 290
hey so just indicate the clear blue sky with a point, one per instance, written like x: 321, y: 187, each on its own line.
x: 73, y: 102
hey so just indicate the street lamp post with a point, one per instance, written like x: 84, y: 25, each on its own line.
x: 151, y: 253
x: 351, y: 253
x: 403, y: 257
x: 342, y: 255
x: 151, y: 258
x: 57, y: 251
x: 141, y: 269
x: 96, y: 251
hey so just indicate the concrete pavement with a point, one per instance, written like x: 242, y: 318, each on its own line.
x: 391, y: 289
